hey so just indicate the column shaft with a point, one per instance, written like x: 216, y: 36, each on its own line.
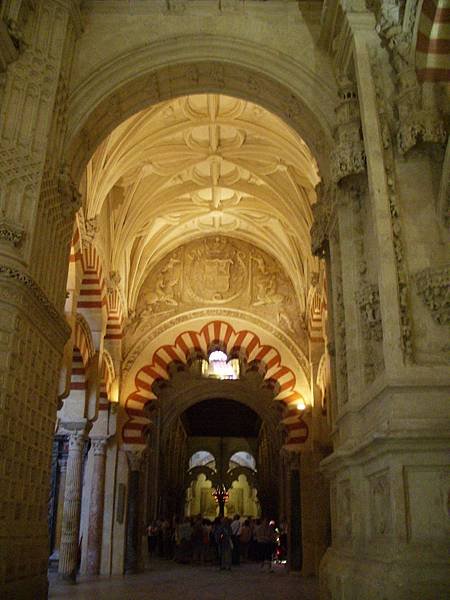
x: 96, y: 504
x: 68, y: 555
x: 132, y: 539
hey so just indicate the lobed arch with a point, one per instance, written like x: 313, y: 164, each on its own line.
x: 177, y: 67
x: 199, y: 340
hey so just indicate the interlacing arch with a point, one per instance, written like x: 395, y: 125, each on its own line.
x: 215, y: 334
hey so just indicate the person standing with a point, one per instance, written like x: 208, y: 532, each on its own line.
x: 265, y: 537
x: 235, y: 538
x: 222, y: 537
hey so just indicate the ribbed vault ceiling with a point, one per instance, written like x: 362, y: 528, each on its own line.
x: 198, y: 165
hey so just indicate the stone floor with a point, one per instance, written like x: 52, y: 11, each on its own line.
x: 170, y: 581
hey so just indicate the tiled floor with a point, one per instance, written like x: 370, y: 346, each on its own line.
x: 169, y: 581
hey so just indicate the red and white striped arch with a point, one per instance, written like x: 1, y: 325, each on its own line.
x: 83, y: 350
x: 433, y: 41
x: 92, y: 290
x: 191, y: 342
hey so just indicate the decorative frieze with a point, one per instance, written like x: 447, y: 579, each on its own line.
x: 433, y: 286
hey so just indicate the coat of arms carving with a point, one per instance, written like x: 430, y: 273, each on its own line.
x: 216, y: 270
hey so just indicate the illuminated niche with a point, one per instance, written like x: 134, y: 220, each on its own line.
x: 219, y: 367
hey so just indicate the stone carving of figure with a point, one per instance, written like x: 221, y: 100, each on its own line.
x: 166, y: 282
x: 266, y: 285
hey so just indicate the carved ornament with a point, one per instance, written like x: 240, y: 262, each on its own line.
x: 69, y: 194
x: 348, y: 156
x: 11, y: 232
x: 433, y: 286
x: 368, y: 300
x: 322, y: 212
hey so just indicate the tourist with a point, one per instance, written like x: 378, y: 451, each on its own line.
x: 244, y: 539
x: 222, y: 536
x: 235, y: 533
x: 152, y: 538
x: 265, y: 537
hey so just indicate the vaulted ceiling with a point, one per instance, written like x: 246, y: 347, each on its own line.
x: 199, y: 165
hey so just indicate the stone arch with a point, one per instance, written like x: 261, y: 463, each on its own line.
x: 432, y: 44
x: 176, y: 67
x: 136, y: 403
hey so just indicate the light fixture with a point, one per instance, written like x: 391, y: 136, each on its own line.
x: 300, y: 404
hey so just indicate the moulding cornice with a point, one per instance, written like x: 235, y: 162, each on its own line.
x: 20, y: 290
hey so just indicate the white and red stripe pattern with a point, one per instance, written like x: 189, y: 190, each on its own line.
x: 114, y: 329
x: 216, y: 334
x: 92, y: 290
x: 433, y: 41
x: 83, y: 350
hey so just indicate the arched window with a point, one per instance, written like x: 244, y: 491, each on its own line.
x: 242, y: 459
x: 202, y: 458
x: 219, y: 367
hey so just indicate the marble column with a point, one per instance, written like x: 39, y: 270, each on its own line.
x: 60, y: 510
x: 68, y: 552
x: 94, y: 544
x: 132, y: 539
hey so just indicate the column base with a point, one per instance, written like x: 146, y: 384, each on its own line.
x: 348, y: 578
x: 68, y: 579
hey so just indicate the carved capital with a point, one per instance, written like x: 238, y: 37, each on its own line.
x: 135, y: 458
x: 433, y: 286
x: 76, y: 441
x: 99, y: 446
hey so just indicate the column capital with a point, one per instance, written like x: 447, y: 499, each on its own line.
x: 76, y: 440
x: 134, y: 459
x: 99, y: 446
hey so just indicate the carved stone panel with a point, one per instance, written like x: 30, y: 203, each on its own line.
x: 218, y: 272
x: 380, y: 505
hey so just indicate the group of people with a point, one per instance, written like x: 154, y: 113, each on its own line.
x: 225, y: 542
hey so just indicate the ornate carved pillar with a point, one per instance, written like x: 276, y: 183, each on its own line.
x: 132, y: 538
x: 68, y: 553
x: 95, y: 530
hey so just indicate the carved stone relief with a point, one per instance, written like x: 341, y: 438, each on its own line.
x: 218, y: 271
x: 380, y: 505
x: 344, y: 509
x: 389, y: 161
x: 416, y: 122
x: 433, y: 286
x: 348, y: 156
x: 368, y: 300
